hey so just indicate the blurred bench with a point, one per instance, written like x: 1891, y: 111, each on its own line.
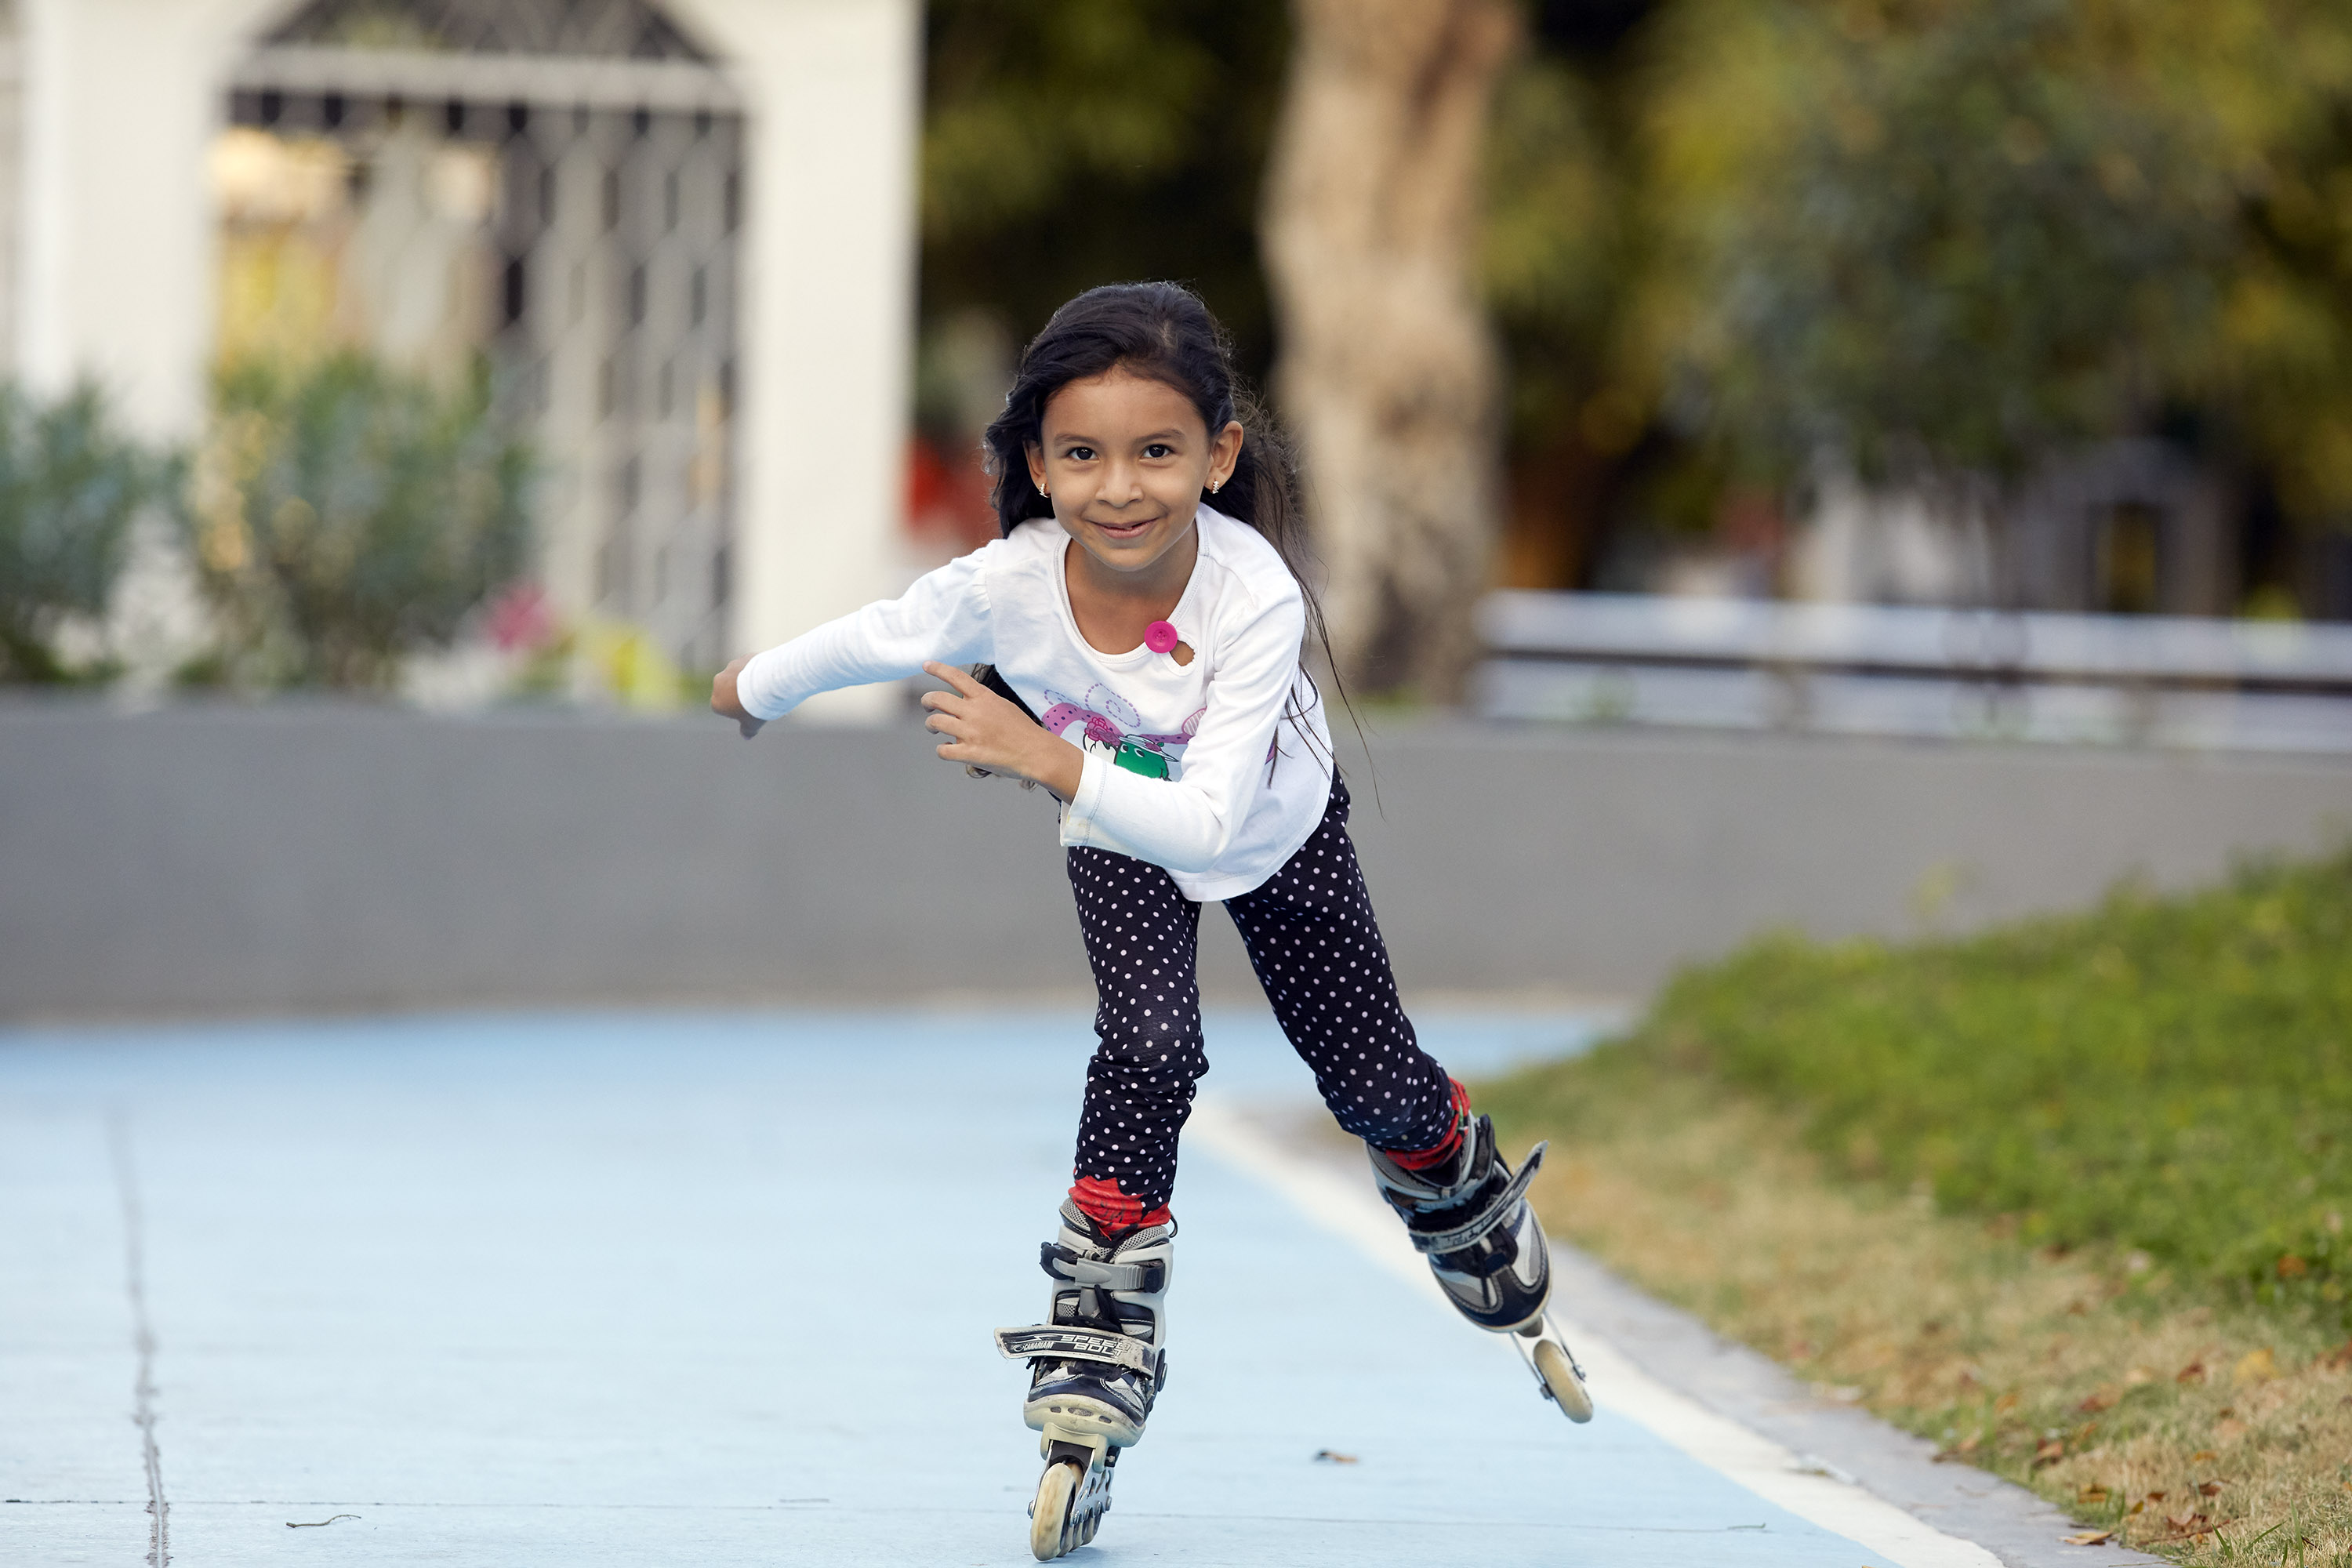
x: 1875, y: 669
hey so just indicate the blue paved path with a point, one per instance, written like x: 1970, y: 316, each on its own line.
x: 609, y: 1289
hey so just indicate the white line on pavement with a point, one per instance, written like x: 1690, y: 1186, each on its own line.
x: 1353, y: 1211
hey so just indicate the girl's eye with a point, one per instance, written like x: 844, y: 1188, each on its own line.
x: 1080, y: 455
x: 1160, y: 450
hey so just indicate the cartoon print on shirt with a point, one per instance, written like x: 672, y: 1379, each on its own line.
x: 1108, y: 723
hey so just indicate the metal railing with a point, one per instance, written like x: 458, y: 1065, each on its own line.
x: 1874, y: 669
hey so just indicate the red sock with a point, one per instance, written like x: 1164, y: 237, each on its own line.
x: 1443, y: 1150
x: 1104, y: 1203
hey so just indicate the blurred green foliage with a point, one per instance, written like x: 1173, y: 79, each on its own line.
x: 1073, y: 143
x: 71, y: 485
x: 1557, y: 253
x: 2172, y: 1075
x: 343, y: 514
x: 1967, y: 236
x: 1929, y: 234
x: 1726, y: 236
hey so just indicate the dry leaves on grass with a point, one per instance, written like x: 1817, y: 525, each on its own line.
x: 1951, y: 1329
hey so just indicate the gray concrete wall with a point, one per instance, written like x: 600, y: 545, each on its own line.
x: 300, y: 858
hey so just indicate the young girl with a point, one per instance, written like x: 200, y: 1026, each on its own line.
x: 1146, y: 600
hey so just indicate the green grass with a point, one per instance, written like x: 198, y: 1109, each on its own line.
x: 2067, y: 1197
x: 2168, y: 1076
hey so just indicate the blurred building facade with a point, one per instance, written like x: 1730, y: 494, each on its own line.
x: 680, y: 231
x: 2130, y: 527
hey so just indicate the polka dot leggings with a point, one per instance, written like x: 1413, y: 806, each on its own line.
x: 1311, y: 937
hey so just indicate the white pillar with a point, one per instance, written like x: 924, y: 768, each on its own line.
x: 121, y: 98
x: 827, y: 307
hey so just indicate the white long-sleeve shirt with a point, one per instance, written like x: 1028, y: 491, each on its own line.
x: 1217, y: 770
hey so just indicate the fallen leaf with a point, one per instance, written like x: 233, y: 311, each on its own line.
x: 2209, y: 1489
x: 2089, y: 1538
x: 2183, y: 1521
x: 2005, y: 1403
x: 2136, y: 1507
x: 2091, y: 1491
x: 2156, y: 1497
x: 2193, y: 1373
x: 2202, y: 1455
x: 2195, y: 1524
x: 2339, y: 1359
x: 2257, y: 1366
x: 2293, y: 1268
x: 2104, y: 1399
x: 2051, y: 1451
x: 1958, y: 1451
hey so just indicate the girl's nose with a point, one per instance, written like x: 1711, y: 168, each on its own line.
x: 1122, y: 483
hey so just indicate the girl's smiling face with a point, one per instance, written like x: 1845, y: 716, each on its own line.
x: 1124, y: 460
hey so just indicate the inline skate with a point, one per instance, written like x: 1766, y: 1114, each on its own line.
x: 1469, y: 1216
x: 1096, y: 1366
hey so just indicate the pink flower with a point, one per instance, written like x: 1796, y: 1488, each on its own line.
x: 520, y: 618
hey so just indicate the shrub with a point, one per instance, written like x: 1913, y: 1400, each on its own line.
x: 70, y: 486
x: 344, y: 514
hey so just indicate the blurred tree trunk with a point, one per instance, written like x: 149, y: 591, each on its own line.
x: 1388, y: 372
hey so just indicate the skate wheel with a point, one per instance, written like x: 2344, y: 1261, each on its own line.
x: 1558, y: 1374
x: 1049, y: 1516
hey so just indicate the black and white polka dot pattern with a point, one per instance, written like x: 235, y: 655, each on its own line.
x: 1318, y: 952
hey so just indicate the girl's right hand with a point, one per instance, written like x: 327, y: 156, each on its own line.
x: 727, y: 705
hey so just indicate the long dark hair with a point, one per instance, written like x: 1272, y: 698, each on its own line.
x: 1164, y: 332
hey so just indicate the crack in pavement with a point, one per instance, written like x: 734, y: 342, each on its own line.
x: 126, y: 1180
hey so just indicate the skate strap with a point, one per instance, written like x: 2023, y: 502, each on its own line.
x: 1047, y: 1342
x: 1489, y: 1215
x: 1063, y: 1263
